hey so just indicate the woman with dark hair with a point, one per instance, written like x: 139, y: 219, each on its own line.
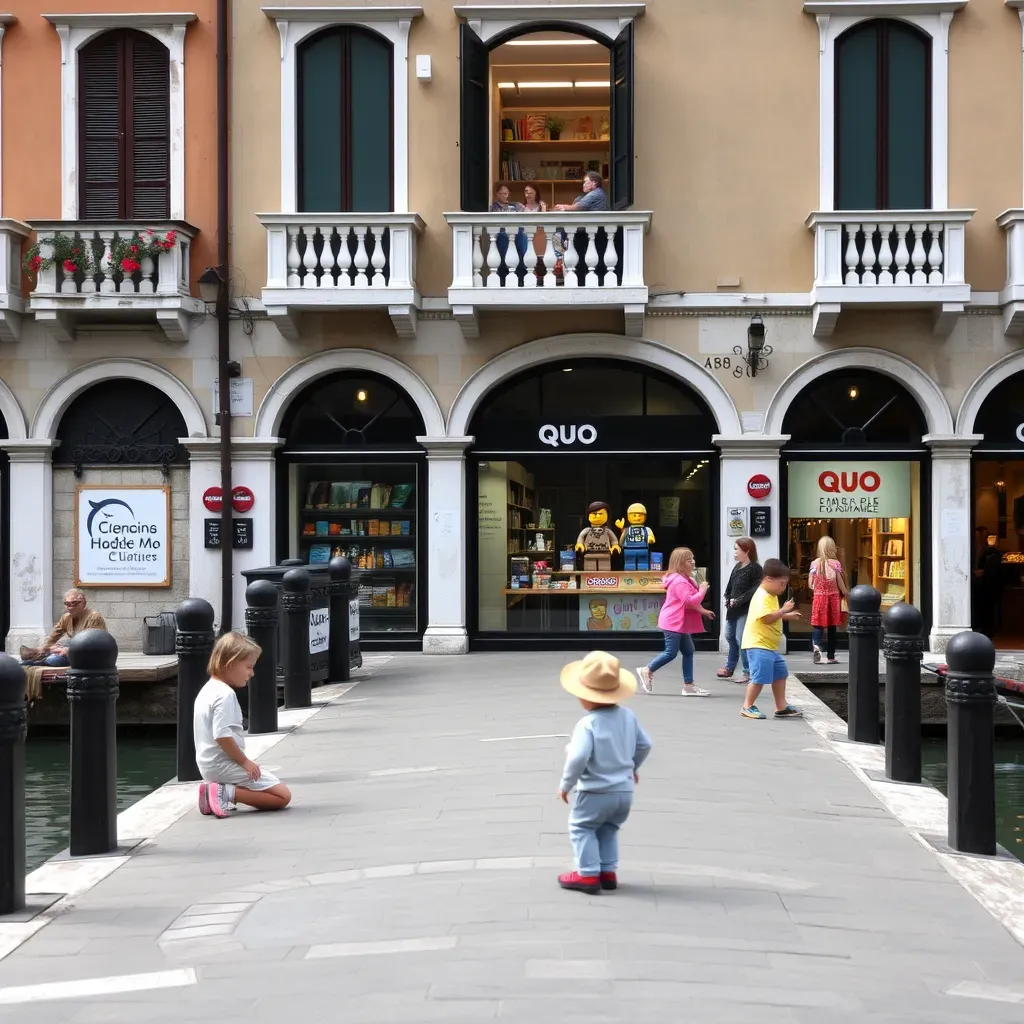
x: 744, y: 579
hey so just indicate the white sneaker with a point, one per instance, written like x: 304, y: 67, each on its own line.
x: 816, y: 655
x: 693, y: 690
x: 644, y: 675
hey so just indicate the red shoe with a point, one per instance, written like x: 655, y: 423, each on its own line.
x: 608, y: 880
x: 204, y: 799
x: 580, y: 883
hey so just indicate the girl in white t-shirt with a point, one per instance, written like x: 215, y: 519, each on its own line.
x: 229, y: 776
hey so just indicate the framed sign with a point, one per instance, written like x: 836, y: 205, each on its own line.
x: 122, y: 535
x: 849, y: 490
x: 735, y: 522
x: 319, y: 630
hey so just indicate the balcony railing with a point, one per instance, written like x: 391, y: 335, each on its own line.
x: 12, y: 306
x: 1011, y: 298
x: 889, y: 259
x: 335, y: 261
x: 100, y: 291
x: 548, y: 261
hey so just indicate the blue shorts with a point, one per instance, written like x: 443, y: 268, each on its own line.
x: 766, y: 666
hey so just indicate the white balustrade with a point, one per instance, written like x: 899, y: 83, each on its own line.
x: 1011, y: 298
x: 889, y: 258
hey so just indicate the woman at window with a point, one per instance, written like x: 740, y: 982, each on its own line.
x: 532, y: 203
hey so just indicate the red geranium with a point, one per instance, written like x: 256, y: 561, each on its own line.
x: 70, y: 267
x: 35, y: 263
x: 129, y: 266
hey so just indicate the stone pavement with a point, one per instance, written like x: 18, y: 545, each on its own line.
x: 413, y: 880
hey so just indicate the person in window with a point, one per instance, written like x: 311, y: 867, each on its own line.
x: 532, y: 203
x: 592, y: 198
x: 76, y: 618
x: 502, y: 204
x: 988, y: 583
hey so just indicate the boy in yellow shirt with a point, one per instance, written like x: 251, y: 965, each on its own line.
x: 762, y: 636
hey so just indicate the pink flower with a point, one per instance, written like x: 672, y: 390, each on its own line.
x: 70, y: 267
x: 35, y: 263
x: 129, y: 266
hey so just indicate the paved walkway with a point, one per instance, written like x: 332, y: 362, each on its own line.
x: 413, y: 880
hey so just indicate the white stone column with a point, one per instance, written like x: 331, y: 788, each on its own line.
x: 744, y: 456
x: 447, y: 530
x: 30, y: 482
x: 949, y: 522
x: 203, y: 563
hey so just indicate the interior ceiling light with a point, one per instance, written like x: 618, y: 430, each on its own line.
x: 592, y: 85
x: 506, y: 85
x: 553, y: 42
x: 545, y: 85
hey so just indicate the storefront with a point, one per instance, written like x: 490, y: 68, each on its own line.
x: 855, y: 469
x: 553, y: 444
x: 350, y: 479
x: 997, y: 485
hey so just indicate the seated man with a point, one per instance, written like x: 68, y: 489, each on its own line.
x: 76, y: 618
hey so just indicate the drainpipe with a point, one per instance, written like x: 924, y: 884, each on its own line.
x: 223, y: 336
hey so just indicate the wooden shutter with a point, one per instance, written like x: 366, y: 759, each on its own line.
x: 124, y: 128
x: 622, y: 120
x: 474, y: 67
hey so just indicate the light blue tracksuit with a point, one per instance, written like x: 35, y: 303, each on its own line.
x: 608, y: 745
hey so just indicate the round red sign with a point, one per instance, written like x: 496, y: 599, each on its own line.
x: 242, y: 499
x: 212, y: 498
x: 759, y: 486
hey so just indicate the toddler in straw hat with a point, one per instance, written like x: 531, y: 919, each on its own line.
x: 607, y: 747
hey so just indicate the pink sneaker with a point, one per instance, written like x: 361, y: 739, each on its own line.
x: 218, y: 800
x: 204, y: 798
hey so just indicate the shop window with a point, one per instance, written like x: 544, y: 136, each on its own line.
x: 345, y: 112
x: 124, y: 127
x: 883, y: 117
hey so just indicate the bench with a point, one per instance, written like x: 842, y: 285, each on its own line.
x: 131, y: 668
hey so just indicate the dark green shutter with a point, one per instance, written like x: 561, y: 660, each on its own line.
x: 474, y: 134
x: 370, y: 79
x: 321, y: 99
x: 621, y: 184
x: 907, y: 172
x: 857, y: 119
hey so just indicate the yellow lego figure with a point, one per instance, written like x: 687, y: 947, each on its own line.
x: 636, y: 538
x: 597, y: 542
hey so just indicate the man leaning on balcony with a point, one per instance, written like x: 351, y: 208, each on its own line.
x: 592, y: 197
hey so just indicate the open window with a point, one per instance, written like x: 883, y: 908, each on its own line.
x: 541, y: 106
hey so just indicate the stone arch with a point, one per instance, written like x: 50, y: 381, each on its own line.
x: 976, y: 394
x: 13, y: 416
x: 568, y: 346
x: 933, y: 403
x: 283, y: 390
x: 61, y: 394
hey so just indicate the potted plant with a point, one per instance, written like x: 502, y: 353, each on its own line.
x: 68, y: 252
x: 555, y: 126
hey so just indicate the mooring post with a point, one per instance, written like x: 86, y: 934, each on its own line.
x: 13, y: 726
x: 862, y: 723
x: 904, y: 645
x: 970, y: 742
x: 296, y: 603
x: 262, y: 625
x: 92, y: 702
x: 193, y: 643
x: 344, y: 653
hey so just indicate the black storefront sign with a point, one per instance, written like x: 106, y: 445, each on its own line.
x: 1001, y: 418
x: 760, y: 521
x: 576, y: 435
x: 242, y: 535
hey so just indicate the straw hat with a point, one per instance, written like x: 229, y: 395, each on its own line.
x: 598, y: 678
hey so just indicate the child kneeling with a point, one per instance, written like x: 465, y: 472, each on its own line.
x: 229, y: 776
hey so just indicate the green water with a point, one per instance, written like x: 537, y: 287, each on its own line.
x: 143, y: 764
x: 1009, y: 786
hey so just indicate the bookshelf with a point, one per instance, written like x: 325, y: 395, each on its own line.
x: 883, y: 557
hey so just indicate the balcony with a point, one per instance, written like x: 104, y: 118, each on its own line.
x: 327, y: 262
x: 1011, y: 298
x: 12, y: 306
x: 547, y: 261
x: 100, y: 292
x: 889, y: 259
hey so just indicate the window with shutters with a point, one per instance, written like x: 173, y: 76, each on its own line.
x: 883, y: 117
x: 345, y: 113
x: 124, y: 128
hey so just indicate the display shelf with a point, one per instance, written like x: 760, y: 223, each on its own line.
x: 394, y: 510
x: 334, y: 538
x: 589, y: 591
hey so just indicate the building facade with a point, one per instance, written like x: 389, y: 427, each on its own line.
x: 799, y: 314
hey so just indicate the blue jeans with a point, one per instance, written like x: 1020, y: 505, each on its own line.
x: 733, y: 636
x: 594, y: 829
x: 676, y: 643
x: 51, y: 661
x: 828, y: 634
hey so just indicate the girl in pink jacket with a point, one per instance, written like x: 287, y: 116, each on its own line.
x: 681, y: 616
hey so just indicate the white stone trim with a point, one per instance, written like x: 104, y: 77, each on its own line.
x: 12, y: 413
x: 932, y: 17
x: 582, y: 346
x: 938, y: 418
x: 976, y: 394
x: 75, y: 30
x: 277, y: 399
x: 298, y: 23
x: 61, y: 394
x: 491, y: 20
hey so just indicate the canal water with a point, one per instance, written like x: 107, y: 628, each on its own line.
x: 1009, y: 786
x: 144, y: 763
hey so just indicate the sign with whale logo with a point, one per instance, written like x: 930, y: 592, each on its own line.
x: 122, y: 536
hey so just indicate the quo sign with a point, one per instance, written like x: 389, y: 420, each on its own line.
x: 850, y: 490
x: 551, y: 435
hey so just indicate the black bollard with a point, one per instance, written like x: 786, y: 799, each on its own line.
x: 970, y: 756
x: 344, y: 654
x: 904, y: 645
x: 294, y: 562
x: 92, y: 702
x: 863, y: 710
x: 13, y: 718
x: 193, y: 644
x: 295, y: 605
x: 262, y: 625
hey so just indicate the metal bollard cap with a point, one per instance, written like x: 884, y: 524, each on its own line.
x: 970, y: 653
x: 902, y: 619
x: 261, y: 594
x: 194, y: 615
x: 12, y: 680
x: 864, y: 599
x: 296, y: 581
x: 340, y: 568
x: 93, y: 650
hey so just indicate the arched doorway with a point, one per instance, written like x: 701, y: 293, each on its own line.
x: 855, y: 470
x: 997, y: 505
x: 352, y: 481
x: 549, y: 442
